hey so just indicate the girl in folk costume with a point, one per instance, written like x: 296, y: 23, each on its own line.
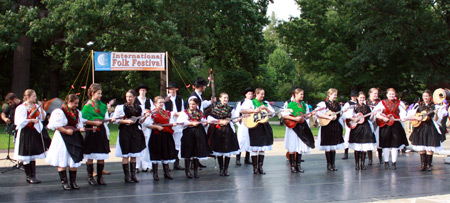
x: 147, y: 104
x: 330, y: 136
x: 194, y: 145
x: 361, y: 138
x: 29, y: 144
x: 161, y: 144
x: 391, y: 138
x: 261, y: 137
x: 242, y: 132
x: 223, y: 141
x: 66, y: 149
x: 96, y: 143
x: 372, y: 102
x: 353, y: 100
x: 427, y: 137
x: 298, y: 140
x: 131, y: 140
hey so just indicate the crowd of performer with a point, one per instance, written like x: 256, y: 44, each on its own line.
x: 164, y: 130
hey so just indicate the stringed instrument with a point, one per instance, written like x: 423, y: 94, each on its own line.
x: 33, y: 115
x: 390, y: 122
x: 360, y: 118
x: 256, y: 118
x: 209, y: 109
x: 292, y: 123
x: 69, y: 127
x: 324, y: 121
x: 425, y: 117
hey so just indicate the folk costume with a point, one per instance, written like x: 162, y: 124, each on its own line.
x: 242, y: 136
x: 223, y: 140
x: 348, y: 105
x: 29, y: 144
x: 372, y: 105
x: 96, y: 143
x: 299, y: 139
x: 147, y: 104
x: 66, y: 150
x: 174, y: 105
x: 391, y: 138
x: 330, y: 136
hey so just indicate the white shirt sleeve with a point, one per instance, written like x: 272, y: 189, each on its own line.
x: 81, y: 120
x: 57, y: 119
x: 402, y: 109
x: 248, y: 104
x: 321, y: 105
x: 118, y: 112
x: 20, y: 117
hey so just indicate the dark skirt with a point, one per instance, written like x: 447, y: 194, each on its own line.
x: 223, y: 140
x: 162, y: 146
x: 96, y: 142
x: 194, y: 143
x: 362, y: 133
x: 392, y: 136
x: 261, y: 135
x: 304, y: 133
x: 131, y: 139
x: 74, y: 145
x: 331, y: 134
x: 47, y: 139
x: 30, y: 142
x: 426, y: 135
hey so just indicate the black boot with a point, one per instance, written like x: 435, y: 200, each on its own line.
x: 126, y: 172
x: 100, y: 168
x: 73, y: 180
x: 220, y: 160
x: 394, y: 165
x: 155, y: 172
x: 423, y: 161
x: 225, y: 167
x: 292, y: 162
x: 380, y: 155
x: 429, y: 160
x: 176, y: 165
x: 238, y: 159
x: 345, y: 154
x: 27, y: 168
x: 298, y: 161
x: 327, y: 155
x: 247, y: 158
x: 133, y: 172
x: 187, y: 163
x: 260, y: 164
x: 370, y: 156
x: 64, y: 182
x: 333, y: 159
x: 363, y: 160
x: 386, y: 165
x: 255, y: 164
x: 196, y: 166
x: 90, y: 171
x: 200, y: 164
x: 33, y: 179
x: 356, y: 160
x: 166, y: 172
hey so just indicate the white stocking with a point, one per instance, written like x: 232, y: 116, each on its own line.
x: 394, y: 155
x: 386, y: 154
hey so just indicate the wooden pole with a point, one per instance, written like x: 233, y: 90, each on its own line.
x: 163, y: 81
x: 93, y: 64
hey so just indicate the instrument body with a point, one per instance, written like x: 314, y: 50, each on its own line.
x: 360, y: 120
x: 425, y: 117
x: 390, y: 122
x: 69, y: 127
x: 256, y: 118
x: 324, y: 121
x: 292, y: 123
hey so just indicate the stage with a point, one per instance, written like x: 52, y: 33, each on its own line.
x: 278, y: 185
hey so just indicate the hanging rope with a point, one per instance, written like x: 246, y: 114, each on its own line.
x: 85, y: 70
x: 179, y: 74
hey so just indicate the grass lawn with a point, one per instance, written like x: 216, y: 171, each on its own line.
x: 278, y: 132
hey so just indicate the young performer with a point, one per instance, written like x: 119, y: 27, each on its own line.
x: 194, y: 145
x: 261, y: 137
x: 242, y: 133
x: 391, y: 138
x: 330, y: 136
x: 29, y: 144
x: 131, y: 141
x: 361, y: 137
x: 66, y: 149
x: 147, y: 104
x: 223, y: 141
x: 96, y: 143
x: 161, y: 144
x: 298, y: 140
x: 372, y: 102
x: 174, y: 104
x: 352, y: 102
x: 426, y: 138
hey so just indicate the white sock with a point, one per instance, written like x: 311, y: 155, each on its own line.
x: 253, y: 153
x: 394, y: 155
x: 261, y: 153
x: 386, y: 154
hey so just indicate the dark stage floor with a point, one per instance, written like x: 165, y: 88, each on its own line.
x: 278, y: 185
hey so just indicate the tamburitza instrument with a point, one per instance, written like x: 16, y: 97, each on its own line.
x: 440, y: 94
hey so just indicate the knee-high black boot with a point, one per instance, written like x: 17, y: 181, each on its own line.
x: 380, y: 155
x: 370, y: 156
x: 429, y: 160
x: 176, y: 165
x: 220, y: 160
x: 247, y: 158
x: 327, y: 155
x: 260, y: 164
x: 33, y: 179
x: 292, y: 161
x: 225, y: 166
x: 126, y: 172
x: 187, y: 164
x: 64, y: 181
x: 73, y: 180
x: 196, y: 166
x: 345, y: 154
x: 27, y: 168
x: 133, y: 172
x: 238, y: 159
x: 166, y: 172
x: 255, y: 164
x: 155, y: 172
x: 298, y: 161
x: 333, y: 159
x: 363, y: 160
x: 100, y: 168
x: 356, y: 160
x: 90, y: 172
x: 423, y: 161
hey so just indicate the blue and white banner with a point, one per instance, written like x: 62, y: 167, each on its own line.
x: 129, y: 61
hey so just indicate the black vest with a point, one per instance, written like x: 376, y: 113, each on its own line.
x: 146, y: 105
x: 169, y: 105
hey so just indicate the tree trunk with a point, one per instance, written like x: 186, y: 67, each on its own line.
x: 54, y: 83
x: 21, y: 67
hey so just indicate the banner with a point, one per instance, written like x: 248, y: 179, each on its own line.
x: 129, y: 61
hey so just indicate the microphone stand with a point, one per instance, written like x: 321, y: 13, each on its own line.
x: 17, y: 165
